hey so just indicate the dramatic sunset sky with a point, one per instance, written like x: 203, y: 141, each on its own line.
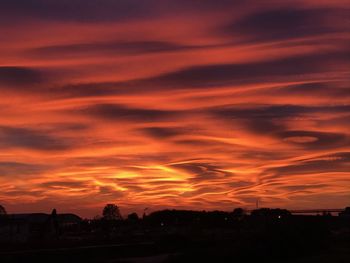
x: 191, y: 104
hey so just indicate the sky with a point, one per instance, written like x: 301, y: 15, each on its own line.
x: 186, y: 104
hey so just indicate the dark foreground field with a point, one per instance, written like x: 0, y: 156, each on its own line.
x: 142, y: 253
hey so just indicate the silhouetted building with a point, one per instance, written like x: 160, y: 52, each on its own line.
x: 19, y: 228
x: 238, y: 214
x: 345, y: 213
x: 270, y: 213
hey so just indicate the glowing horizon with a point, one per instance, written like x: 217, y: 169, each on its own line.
x: 185, y: 104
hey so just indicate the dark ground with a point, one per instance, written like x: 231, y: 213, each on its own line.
x: 175, y: 238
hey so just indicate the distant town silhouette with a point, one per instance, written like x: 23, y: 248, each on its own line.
x: 263, y: 234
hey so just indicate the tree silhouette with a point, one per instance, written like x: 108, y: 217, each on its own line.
x: 111, y: 212
x: 2, y: 211
x: 133, y: 217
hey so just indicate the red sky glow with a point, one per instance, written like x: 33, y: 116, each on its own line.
x: 184, y: 104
